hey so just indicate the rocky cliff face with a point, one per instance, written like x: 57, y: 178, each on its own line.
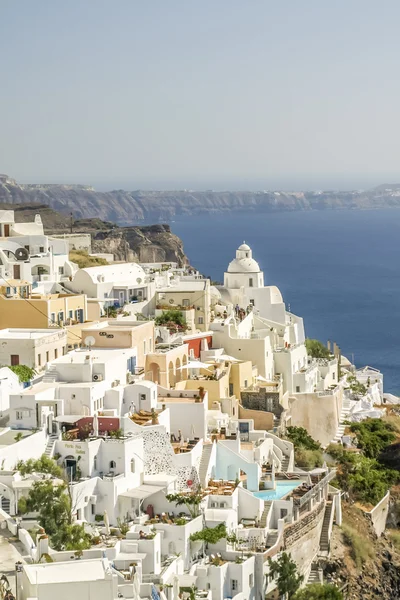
x: 155, y: 243
x: 125, y: 207
x: 150, y: 243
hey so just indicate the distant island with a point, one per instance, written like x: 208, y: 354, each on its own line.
x: 130, y: 207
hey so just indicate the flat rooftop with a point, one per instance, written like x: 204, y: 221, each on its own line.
x: 97, y: 355
x: 28, y: 334
x: 185, y: 286
x: 67, y: 572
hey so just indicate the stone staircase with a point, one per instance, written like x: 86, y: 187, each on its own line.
x: 313, y: 576
x: 204, y: 462
x: 264, y: 516
x: 324, y: 539
x: 285, y: 463
x: 272, y: 538
x: 50, y: 445
x: 343, y: 417
x: 50, y: 375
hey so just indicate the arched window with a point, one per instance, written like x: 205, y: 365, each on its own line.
x: 113, y: 464
x: 132, y: 465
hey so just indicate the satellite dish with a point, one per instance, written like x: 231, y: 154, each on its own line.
x: 89, y: 341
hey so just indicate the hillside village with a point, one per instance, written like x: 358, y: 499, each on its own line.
x: 162, y: 437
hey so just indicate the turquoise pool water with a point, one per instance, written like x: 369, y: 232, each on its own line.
x: 282, y: 488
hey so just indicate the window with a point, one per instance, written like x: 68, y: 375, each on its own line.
x: 252, y: 302
x: 60, y: 316
x: 39, y: 360
x: 64, y: 350
x: 27, y: 248
x: 93, y: 509
x: 95, y: 463
x: 53, y: 317
x: 70, y: 314
x: 246, y: 383
x: 251, y: 282
x: 61, y: 270
x: 200, y: 320
x: 144, y: 347
x: 251, y: 579
x: 47, y: 356
x: 19, y: 415
x: 132, y: 465
x: 142, y: 397
x: 234, y: 585
x: 41, y: 248
x: 297, y: 389
x: 150, y: 344
x: 233, y: 411
x: 186, y: 302
x: 55, y: 353
x: 113, y: 464
x: 333, y: 375
x: 14, y: 360
x: 8, y: 291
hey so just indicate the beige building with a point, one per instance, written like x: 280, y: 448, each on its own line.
x: 186, y: 294
x: 165, y: 365
x: 31, y: 347
x: 122, y: 333
x: 42, y: 311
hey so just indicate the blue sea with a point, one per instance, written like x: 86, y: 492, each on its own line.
x: 339, y: 270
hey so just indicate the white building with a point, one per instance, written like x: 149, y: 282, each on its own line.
x: 28, y: 254
x: 31, y: 347
x: 119, y: 283
x: 83, y: 580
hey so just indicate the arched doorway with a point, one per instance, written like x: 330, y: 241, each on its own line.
x: 171, y: 374
x: 184, y: 371
x: 178, y: 375
x: 154, y: 372
x: 70, y: 466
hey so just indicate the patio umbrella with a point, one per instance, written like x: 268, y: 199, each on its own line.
x: 106, y: 523
x: 194, y: 364
x: 136, y: 586
x: 175, y: 589
x: 96, y: 425
x: 228, y: 358
x: 261, y: 378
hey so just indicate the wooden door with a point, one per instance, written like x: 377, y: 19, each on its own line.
x: 17, y: 271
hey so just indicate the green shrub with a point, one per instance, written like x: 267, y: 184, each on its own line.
x: 361, y: 549
x: 316, y: 349
x: 308, y: 458
x: 302, y: 439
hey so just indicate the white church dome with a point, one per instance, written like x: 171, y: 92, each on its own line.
x: 243, y: 265
x: 244, y: 246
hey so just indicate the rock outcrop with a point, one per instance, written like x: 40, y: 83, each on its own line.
x: 153, y: 243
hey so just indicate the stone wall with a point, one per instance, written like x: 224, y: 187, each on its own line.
x: 302, y: 538
x: 262, y: 400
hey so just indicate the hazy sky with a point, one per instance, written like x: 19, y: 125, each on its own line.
x: 228, y: 93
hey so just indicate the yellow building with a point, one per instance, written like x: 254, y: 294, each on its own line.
x: 42, y: 311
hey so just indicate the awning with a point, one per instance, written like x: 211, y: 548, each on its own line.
x: 142, y: 491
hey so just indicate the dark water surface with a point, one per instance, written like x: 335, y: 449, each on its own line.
x: 339, y: 270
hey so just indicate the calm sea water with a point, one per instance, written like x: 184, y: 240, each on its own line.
x: 339, y: 270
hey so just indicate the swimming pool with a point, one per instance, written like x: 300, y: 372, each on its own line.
x: 282, y: 488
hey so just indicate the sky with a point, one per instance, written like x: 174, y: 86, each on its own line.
x: 229, y: 94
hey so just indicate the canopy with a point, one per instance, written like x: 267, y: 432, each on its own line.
x: 261, y: 378
x: 228, y: 358
x: 142, y: 491
x: 194, y: 364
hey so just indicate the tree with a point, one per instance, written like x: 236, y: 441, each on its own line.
x: 316, y: 349
x: 191, y: 501
x: 53, y: 503
x: 24, y: 373
x: 373, y: 436
x: 173, y: 319
x: 44, y: 464
x: 210, y: 535
x: 318, y: 591
x: 302, y: 439
x: 284, y: 571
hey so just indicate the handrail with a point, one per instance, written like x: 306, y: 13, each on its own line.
x: 318, y: 486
